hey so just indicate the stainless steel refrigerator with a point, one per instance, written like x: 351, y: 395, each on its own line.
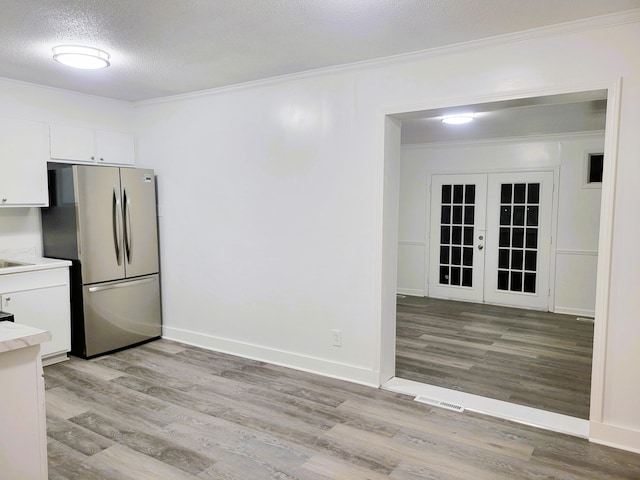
x: 104, y: 220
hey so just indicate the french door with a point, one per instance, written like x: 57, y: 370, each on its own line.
x: 490, y: 238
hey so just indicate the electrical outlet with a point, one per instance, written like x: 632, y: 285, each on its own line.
x: 336, y: 338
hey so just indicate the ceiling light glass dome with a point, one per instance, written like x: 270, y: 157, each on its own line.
x: 76, y: 56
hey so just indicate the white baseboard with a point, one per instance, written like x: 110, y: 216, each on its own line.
x: 613, y: 436
x: 579, y: 312
x: 52, y: 359
x: 327, y: 368
x: 413, y: 292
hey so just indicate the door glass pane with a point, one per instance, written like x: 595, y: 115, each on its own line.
x: 444, y: 254
x: 516, y: 281
x: 457, y: 215
x: 518, y: 246
x: 456, y: 255
x: 468, y: 235
x: 467, y: 276
x: 518, y: 238
x: 446, y: 194
x: 470, y: 194
x: 505, y: 193
x: 532, y: 238
x: 456, y: 235
x: 505, y: 237
x: 458, y: 193
x: 530, y: 282
x: 468, y: 214
x: 530, y: 258
x: 503, y: 258
x: 445, y: 216
x: 532, y: 216
x: 467, y: 256
x: 445, y: 235
x: 516, y: 259
x: 444, y: 275
x: 533, y: 193
x: 455, y: 275
x: 505, y: 215
x: 518, y: 215
x: 503, y: 280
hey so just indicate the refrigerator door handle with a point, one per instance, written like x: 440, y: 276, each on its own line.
x: 116, y: 213
x: 121, y: 285
x: 128, y: 240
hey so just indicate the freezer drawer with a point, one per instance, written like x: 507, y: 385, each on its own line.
x: 119, y: 314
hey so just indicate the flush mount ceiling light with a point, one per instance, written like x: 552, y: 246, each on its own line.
x: 458, y: 118
x: 87, y: 58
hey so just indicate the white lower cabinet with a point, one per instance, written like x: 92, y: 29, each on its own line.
x: 23, y: 437
x: 40, y: 299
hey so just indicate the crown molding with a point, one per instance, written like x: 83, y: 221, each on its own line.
x: 592, y: 23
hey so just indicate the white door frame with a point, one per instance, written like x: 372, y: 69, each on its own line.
x: 389, y: 161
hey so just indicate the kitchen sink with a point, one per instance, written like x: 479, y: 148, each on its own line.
x: 12, y: 263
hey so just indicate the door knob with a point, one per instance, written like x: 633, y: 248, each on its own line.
x: 480, y: 247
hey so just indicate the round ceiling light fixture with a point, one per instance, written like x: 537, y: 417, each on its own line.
x: 76, y: 56
x: 458, y: 118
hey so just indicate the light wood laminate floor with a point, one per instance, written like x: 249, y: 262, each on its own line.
x: 169, y: 411
x: 538, y: 359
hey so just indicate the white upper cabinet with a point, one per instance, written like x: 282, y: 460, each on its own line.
x: 115, y: 147
x: 75, y: 144
x: 23, y: 163
x: 85, y: 145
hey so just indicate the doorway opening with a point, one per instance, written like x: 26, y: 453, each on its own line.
x: 483, y: 246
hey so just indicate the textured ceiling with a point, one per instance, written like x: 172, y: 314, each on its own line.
x: 169, y: 47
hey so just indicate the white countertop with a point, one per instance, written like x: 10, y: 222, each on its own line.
x: 34, y: 263
x: 14, y: 336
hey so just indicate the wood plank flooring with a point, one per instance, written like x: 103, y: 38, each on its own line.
x: 170, y: 411
x: 526, y: 357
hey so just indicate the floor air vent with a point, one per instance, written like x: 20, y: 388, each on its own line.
x: 585, y: 319
x: 438, y: 403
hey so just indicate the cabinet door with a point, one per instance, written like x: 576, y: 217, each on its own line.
x: 75, y: 144
x: 115, y: 148
x: 44, y: 308
x: 23, y: 163
x: 23, y: 442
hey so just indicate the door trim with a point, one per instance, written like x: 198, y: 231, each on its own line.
x: 389, y: 159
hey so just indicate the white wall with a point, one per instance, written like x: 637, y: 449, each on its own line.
x: 577, y: 233
x: 20, y: 229
x: 576, y: 243
x: 267, y: 232
x: 272, y: 202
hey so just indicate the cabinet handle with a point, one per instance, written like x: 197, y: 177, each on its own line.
x: 4, y: 200
x: 7, y: 299
x: 92, y: 157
